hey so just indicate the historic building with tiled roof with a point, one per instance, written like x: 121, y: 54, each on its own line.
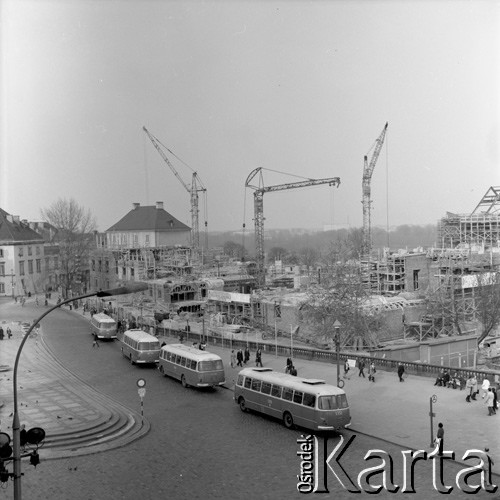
x: 148, y: 226
x: 22, y: 260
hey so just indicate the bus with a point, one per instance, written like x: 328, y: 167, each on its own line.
x: 309, y: 403
x: 140, y: 347
x: 102, y: 326
x: 193, y: 367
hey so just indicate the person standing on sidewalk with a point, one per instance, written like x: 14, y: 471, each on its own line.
x: 490, y: 398
x: 440, y: 438
x: 9, y: 333
x: 239, y: 357
x: 95, y: 344
x: 401, y: 370
x: 361, y: 366
x: 233, y: 358
x: 247, y: 355
x: 258, y: 358
x: 371, y: 372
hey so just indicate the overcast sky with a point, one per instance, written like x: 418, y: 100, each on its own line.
x: 299, y: 87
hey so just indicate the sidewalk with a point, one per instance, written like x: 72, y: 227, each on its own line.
x: 77, y: 420
x: 397, y: 412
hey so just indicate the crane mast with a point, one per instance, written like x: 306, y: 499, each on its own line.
x: 367, y: 177
x: 193, y: 191
x: 260, y: 189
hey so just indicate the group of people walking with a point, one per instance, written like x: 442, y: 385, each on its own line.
x: 243, y: 357
x: 361, y: 367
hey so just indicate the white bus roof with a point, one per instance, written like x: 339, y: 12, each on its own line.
x: 140, y: 335
x: 311, y: 385
x: 193, y: 352
x: 103, y: 318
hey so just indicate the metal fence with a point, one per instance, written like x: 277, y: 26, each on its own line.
x: 311, y: 354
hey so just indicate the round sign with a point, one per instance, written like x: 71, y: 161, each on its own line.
x: 141, y: 382
x: 35, y: 435
x: 434, y: 398
x: 341, y: 384
x: 4, y: 439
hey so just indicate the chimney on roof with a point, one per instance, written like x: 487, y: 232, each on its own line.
x: 10, y: 218
x: 16, y: 219
x: 159, y: 205
x: 136, y: 205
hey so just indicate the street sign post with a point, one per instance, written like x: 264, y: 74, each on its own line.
x: 141, y: 384
x: 432, y: 399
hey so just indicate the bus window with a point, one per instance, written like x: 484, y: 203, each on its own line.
x: 206, y: 366
x: 177, y: 359
x: 308, y: 400
x: 266, y: 388
x: 331, y: 402
x: 240, y: 380
x: 342, y: 401
x: 287, y: 394
x: 276, y: 391
x: 248, y: 382
x: 193, y: 364
x: 183, y: 361
x: 256, y: 385
x: 297, y: 397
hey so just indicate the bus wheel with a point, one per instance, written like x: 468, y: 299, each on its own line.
x: 243, y: 405
x: 183, y: 381
x: 288, y: 420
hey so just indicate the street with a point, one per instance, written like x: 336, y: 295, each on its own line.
x: 200, y: 444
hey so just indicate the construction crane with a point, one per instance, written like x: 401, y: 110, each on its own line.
x: 195, y: 188
x: 260, y: 189
x: 367, y: 177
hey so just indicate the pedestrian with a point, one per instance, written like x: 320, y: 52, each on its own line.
x: 401, y: 370
x: 247, y: 355
x: 495, y: 400
x: 440, y: 438
x: 486, y: 466
x: 289, y: 365
x: 371, y: 372
x: 489, y: 401
x: 36, y: 301
x: 95, y: 343
x: 258, y: 357
x: 293, y: 371
x: 9, y: 333
x: 361, y: 367
x: 239, y: 357
x: 1, y: 333
x: 233, y: 358
x: 23, y: 437
x: 346, y: 368
x: 470, y: 388
x: 484, y: 387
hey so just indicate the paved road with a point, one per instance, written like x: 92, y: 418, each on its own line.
x: 200, y: 444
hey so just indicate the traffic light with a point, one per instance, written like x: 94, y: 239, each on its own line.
x: 5, y: 447
x: 4, y: 474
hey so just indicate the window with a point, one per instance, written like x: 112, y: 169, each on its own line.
x: 248, y: 382
x: 107, y: 265
x: 177, y: 359
x: 1, y: 252
x: 256, y: 385
x: 21, y: 267
x: 266, y: 388
x: 147, y: 239
x: 332, y: 402
x: 240, y: 380
x: 183, y: 361
x: 276, y: 391
x: 2, y: 268
x: 37, y: 250
x: 56, y: 263
x: 2, y: 288
x: 47, y: 263
x: 287, y: 394
x: 21, y: 251
x: 297, y: 397
x: 30, y: 251
x: 93, y: 265
x: 38, y: 265
x: 99, y: 265
x: 30, y: 266
x: 308, y: 400
x: 206, y: 366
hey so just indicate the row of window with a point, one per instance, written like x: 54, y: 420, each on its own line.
x: 30, y: 250
x: 143, y: 345
x: 203, y: 366
x: 30, y: 267
x: 125, y: 238
x: 278, y: 391
x: 330, y: 402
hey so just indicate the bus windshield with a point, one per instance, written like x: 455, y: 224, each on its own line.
x: 206, y: 366
x: 107, y: 326
x: 332, y: 402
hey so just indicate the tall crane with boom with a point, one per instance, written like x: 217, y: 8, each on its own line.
x: 367, y: 177
x: 258, y: 194
x: 193, y: 189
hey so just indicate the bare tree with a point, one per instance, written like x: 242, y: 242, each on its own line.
x: 74, y: 225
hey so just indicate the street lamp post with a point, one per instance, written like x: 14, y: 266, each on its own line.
x: 337, y: 326
x: 16, y: 430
